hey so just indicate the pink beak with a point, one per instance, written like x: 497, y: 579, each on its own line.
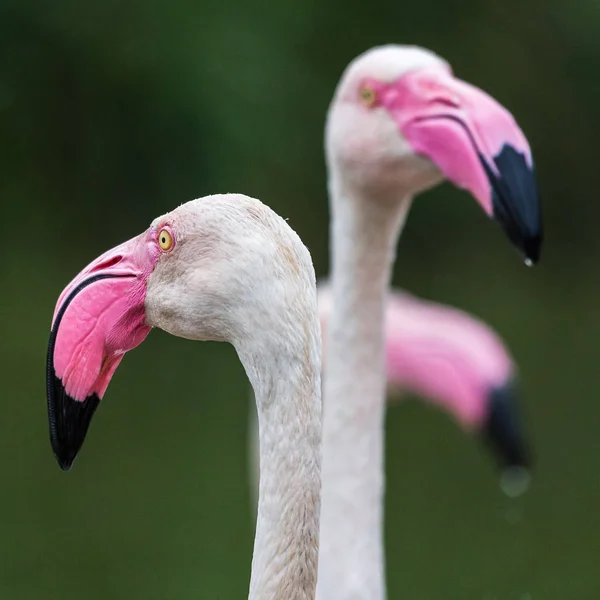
x: 476, y: 143
x: 98, y: 317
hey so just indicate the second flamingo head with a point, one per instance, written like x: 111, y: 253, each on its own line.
x: 400, y: 122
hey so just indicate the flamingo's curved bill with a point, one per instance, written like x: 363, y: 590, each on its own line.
x: 99, y: 316
x: 475, y: 142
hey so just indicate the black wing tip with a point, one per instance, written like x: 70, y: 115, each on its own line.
x: 503, y: 429
x: 69, y: 422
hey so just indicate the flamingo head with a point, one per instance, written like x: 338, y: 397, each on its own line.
x: 400, y: 122
x: 212, y: 269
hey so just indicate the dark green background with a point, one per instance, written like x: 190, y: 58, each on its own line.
x: 112, y: 113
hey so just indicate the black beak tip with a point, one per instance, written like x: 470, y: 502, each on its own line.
x: 65, y: 459
x: 532, y: 247
x: 503, y: 429
x: 69, y: 421
x: 516, y: 201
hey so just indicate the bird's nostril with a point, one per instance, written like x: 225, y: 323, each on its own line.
x: 447, y: 100
x: 107, y: 264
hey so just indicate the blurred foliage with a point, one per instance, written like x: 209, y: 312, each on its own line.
x: 114, y: 112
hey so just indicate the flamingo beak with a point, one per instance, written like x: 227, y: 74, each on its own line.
x: 98, y: 317
x: 477, y: 145
x: 502, y: 429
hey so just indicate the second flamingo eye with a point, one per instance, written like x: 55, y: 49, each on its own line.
x: 165, y: 240
x: 367, y: 95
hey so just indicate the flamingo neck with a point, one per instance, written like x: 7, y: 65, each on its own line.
x: 287, y: 387
x: 364, y: 234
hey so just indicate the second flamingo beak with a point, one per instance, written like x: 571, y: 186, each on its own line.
x: 477, y: 145
x: 99, y: 316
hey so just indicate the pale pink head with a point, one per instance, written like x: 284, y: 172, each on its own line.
x: 212, y: 269
x: 455, y: 361
x: 400, y: 121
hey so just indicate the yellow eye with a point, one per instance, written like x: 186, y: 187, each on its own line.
x: 165, y: 240
x: 367, y: 95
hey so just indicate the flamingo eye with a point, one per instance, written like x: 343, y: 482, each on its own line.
x: 367, y: 95
x: 165, y: 240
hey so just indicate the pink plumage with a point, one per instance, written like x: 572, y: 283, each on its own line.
x: 453, y: 360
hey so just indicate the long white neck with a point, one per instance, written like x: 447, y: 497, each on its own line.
x: 287, y: 387
x: 364, y: 235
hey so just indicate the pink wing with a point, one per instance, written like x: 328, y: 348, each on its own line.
x: 456, y: 362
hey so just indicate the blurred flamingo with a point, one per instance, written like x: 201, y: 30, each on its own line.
x: 223, y: 268
x: 453, y: 360
x: 457, y: 362
x: 399, y: 122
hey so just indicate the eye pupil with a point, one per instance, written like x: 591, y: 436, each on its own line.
x: 164, y: 239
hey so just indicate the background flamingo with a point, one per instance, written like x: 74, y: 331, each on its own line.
x: 453, y: 360
x: 457, y: 362
x: 222, y: 268
x: 398, y: 123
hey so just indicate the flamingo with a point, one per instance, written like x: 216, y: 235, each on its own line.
x: 399, y: 123
x: 455, y: 361
x: 223, y: 268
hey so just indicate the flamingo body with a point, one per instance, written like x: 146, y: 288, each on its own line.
x: 399, y: 123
